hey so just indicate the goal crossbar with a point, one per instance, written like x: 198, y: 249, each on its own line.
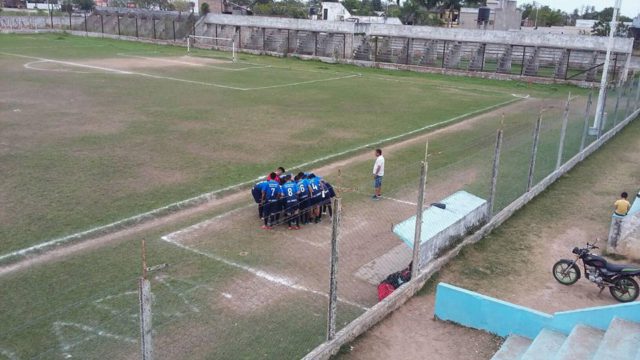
x: 191, y: 40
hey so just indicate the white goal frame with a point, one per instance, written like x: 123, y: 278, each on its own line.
x: 192, y: 38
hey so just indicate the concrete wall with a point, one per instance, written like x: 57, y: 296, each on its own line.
x: 576, y: 42
x: 443, y: 229
x: 39, y: 22
x: 502, y: 318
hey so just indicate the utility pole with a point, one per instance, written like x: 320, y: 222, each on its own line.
x: 605, y: 70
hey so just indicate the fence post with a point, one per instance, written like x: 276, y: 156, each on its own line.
x: 494, y: 174
x: 101, y: 24
x: 136, y: 26
x: 173, y: 25
x: 602, y: 113
x: 616, y: 108
x: 534, y: 151
x: 144, y: 287
x: 586, y: 121
x: 85, y: 23
x: 154, y: 27
x: 628, y: 92
x: 415, y: 262
x: 563, y: 131
x: 70, y: 27
x: 333, y: 278
x: 118, y: 16
x: 636, y: 104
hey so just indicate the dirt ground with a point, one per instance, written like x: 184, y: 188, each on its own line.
x: 514, y: 263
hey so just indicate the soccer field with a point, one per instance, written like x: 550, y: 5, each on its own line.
x: 97, y: 130
x: 94, y: 131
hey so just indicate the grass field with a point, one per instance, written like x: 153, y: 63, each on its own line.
x: 107, y: 129
x: 97, y: 130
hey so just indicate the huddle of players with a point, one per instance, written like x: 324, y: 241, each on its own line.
x: 299, y: 199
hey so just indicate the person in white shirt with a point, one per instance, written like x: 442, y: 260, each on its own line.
x: 378, y: 173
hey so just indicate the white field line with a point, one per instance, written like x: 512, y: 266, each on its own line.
x: 305, y: 82
x: 260, y: 273
x: 400, y: 201
x: 212, y: 194
x: 69, y: 63
x: 66, y: 347
x: 191, y: 63
x: 176, y: 235
x: 179, y: 235
x: 30, y: 66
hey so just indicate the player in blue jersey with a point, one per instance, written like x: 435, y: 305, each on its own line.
x: 270, y: 194
x: 290, y: 195
x: 256, y: 192
x: 304, y: 196
x: 317, y: 187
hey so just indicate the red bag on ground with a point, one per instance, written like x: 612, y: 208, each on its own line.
x: 384, y: 290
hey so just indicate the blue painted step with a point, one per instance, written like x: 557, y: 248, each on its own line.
x: 513, y: 348
x: 620, y: 342
x: 581, y: 344
x: 545, y: 346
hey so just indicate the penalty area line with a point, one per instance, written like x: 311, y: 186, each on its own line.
x: 282, y: 281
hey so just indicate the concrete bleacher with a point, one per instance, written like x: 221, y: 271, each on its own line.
x: 606, y: 332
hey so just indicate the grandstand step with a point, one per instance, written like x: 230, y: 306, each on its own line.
x: 545, y: 346
x: 582, y: 343
x: 620, y: 342
x: 513, y: 348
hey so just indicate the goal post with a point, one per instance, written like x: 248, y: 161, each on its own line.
x: 224, y: 44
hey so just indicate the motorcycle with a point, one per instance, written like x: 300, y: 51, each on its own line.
x: 618, y: 278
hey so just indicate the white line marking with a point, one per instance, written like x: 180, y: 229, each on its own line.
x: 66, y: 347
x: 30, y: 66
x: 195, y: 227
x: 179, y: 235
x: 259, y: 273
x: 305, y: 82
x: 208, y: 196
x: 69, y: 63
x: 161, y: 280
x: 178, y: 79
x: 400, y: 201
x: 193, y: 64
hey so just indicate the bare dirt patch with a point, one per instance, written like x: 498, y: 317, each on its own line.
x: 248, y: 295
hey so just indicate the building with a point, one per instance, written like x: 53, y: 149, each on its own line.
x: 502, y: 15
x: 334, y: 11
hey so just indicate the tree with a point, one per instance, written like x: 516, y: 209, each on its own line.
x: 352, y: 5
x: 603, y: 28
x: 376, y: 5
x: 181, y: 5
x: 85, y: 5
x: 204, y: 9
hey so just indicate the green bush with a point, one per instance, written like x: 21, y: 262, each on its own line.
x: 204, y: 9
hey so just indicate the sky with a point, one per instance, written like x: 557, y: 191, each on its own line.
x: 630, y: 8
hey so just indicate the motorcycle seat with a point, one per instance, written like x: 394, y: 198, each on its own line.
x: 622, y: 268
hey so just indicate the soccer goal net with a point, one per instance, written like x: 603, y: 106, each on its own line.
x: 208, y: 42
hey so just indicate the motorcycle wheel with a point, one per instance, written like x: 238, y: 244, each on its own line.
x: 625, y: 289
x: 565, y: 273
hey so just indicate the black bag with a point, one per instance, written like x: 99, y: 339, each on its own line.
x: 399, y: 277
